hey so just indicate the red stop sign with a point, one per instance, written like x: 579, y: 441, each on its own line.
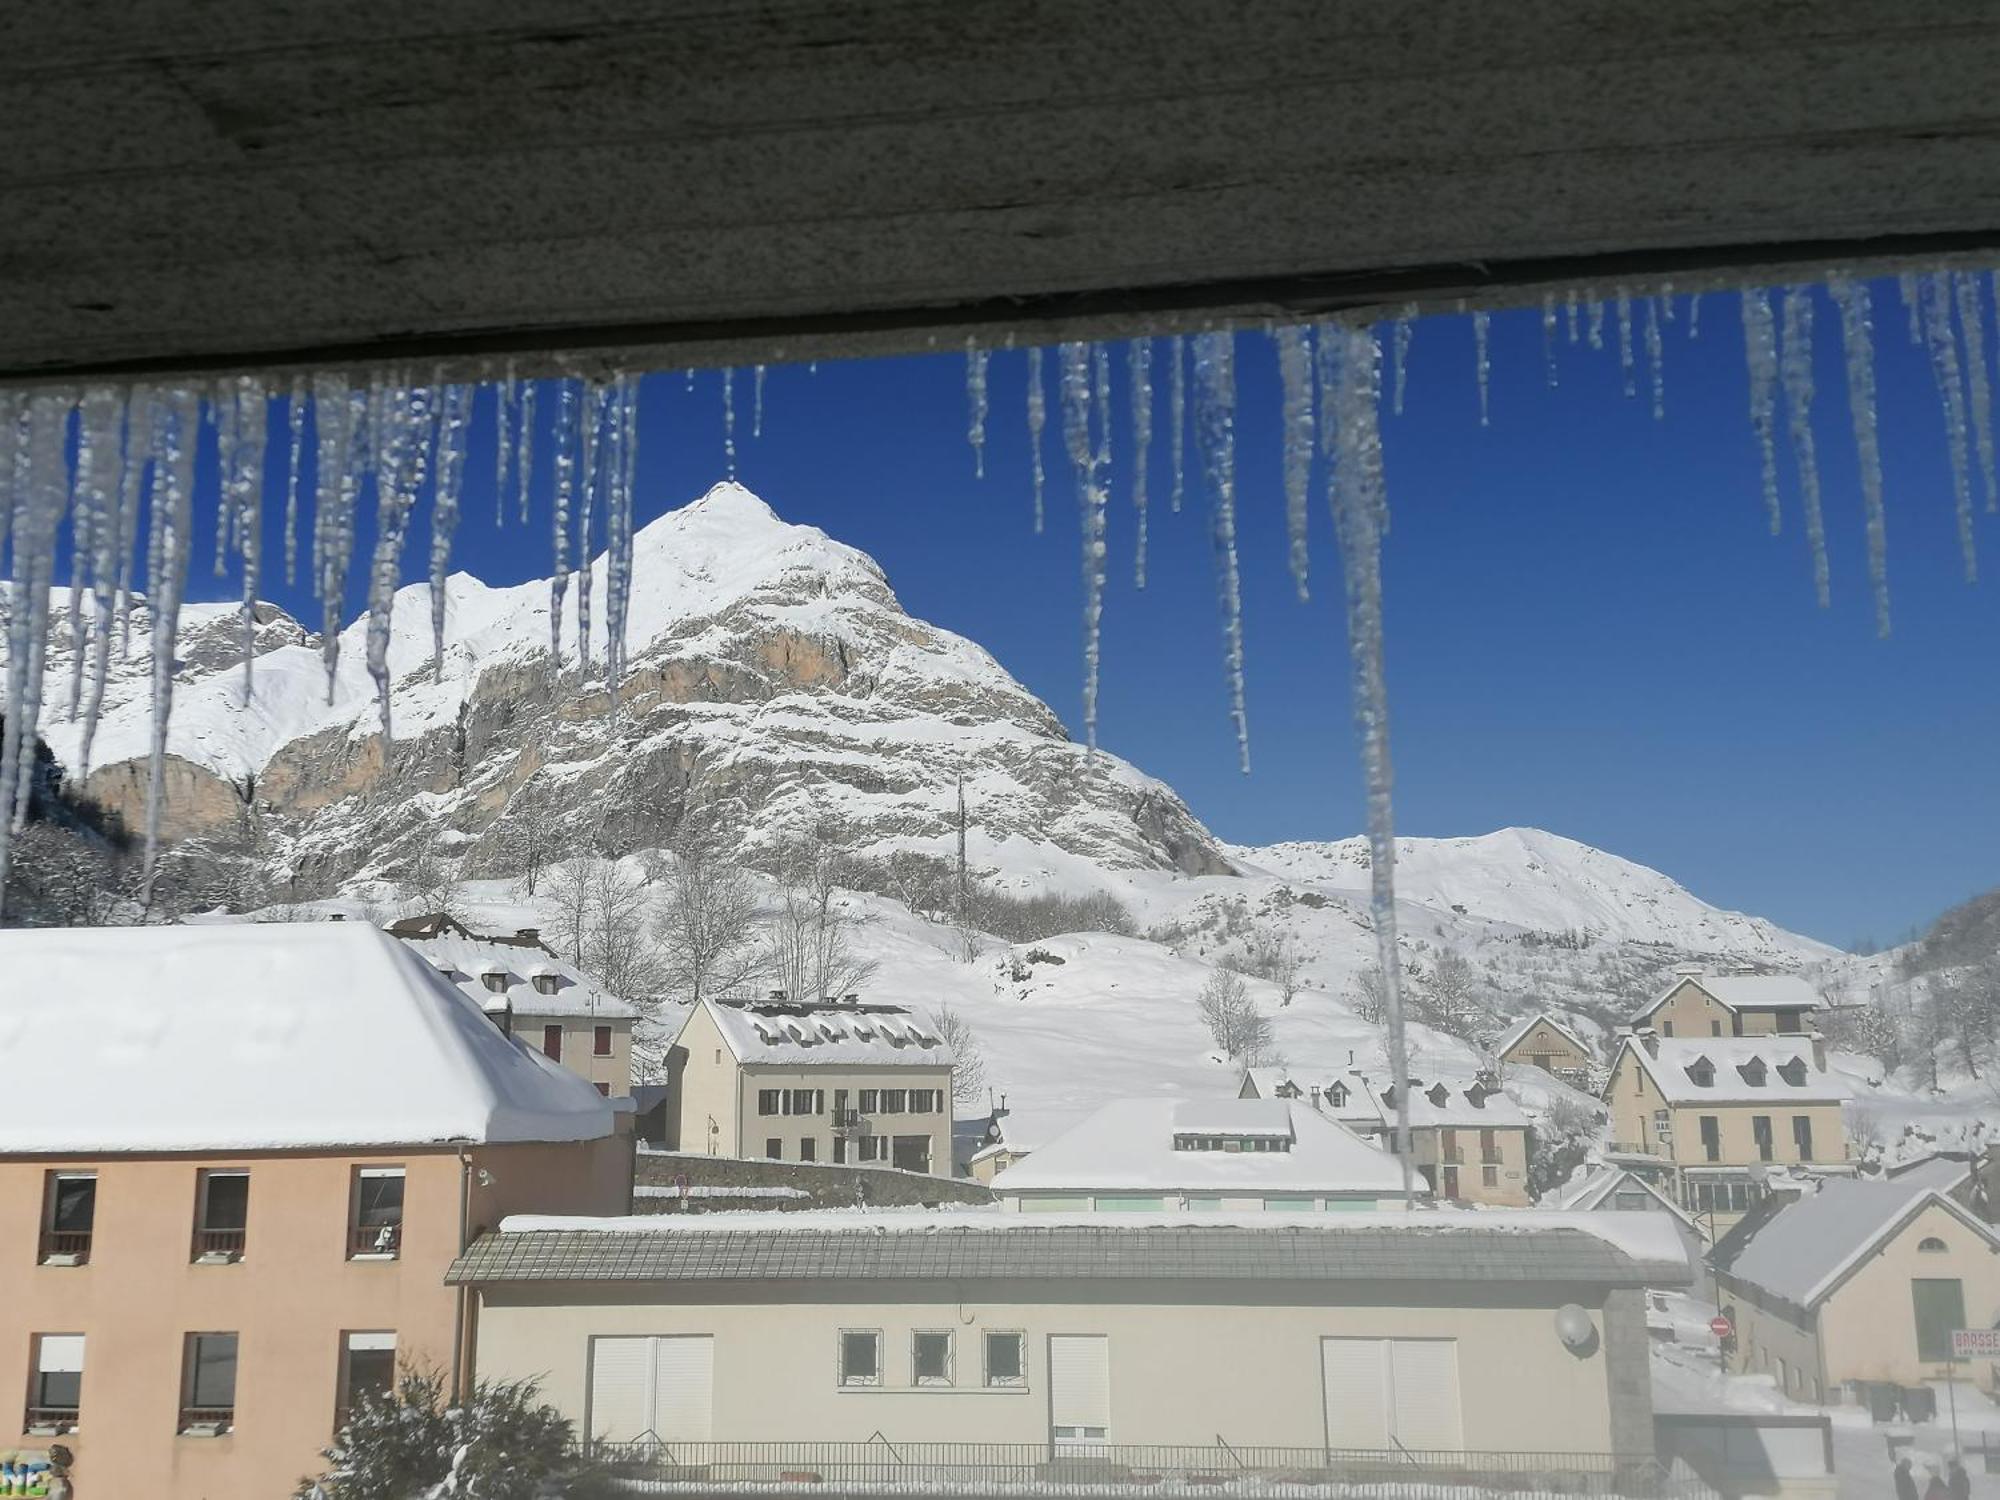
x: 1720, y: 1326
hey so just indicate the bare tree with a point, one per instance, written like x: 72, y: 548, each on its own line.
x: 1368, y: 995
x: 806, y: 947
x: 568, y: 892
x: 433, y: 885
x: 707, y: 922
x: 1232, y: 1017
x: 1272, y: 955
x: 968, y: 1070
x: 618, y: 948
x: 528, y: 831
x: 1452, y: 998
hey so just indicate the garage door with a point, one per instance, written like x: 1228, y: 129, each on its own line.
x: 1382, y: 1393
x: 1080, y: 1388
x: 660, y: 1387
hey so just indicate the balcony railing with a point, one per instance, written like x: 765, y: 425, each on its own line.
x: 219, y: 1244
x: 1030, y: 1469
x: 207, y: 1421
x: 374, y: 1241
x: 1454, y: 1157
x: 50, y: 1421
x: 1490, y: 1157
x: 65, y: 1247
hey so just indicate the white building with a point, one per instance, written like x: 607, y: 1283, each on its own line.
x: 1345, y: 1097
x: 843, y: 1082
x: 1222, y: 1155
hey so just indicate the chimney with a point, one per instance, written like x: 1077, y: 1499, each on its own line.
x: 1818, y: 1049
x: 1315, y: 1096
x: 1688, y: 971
x: 1649, y: 1039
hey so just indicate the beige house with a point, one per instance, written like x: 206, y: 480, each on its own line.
x: 1202, y: 1155
x: 1541, y: 1041
x: 1859, y: 1280
x: 847, y: 1082
x: 1469, y: 1141
x: 1421, y: 1339
x: 1698, y: 1005
x: 529, y: 992
x: 1709, y: 1118
x: 233, y: 1214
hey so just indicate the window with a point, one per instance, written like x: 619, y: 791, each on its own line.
x: 367, y: 1370
x: 912, y: 1153
x: 377, y: 1229
x: 1129, y: 1203
x: 1666, y: 1028
x: 1802, y: 1136
x: 1760, y: 1131
x: 874, y: 1148
x: 1630, y: 1200
x: 208, y: 1385
x: 1663, y: 1125
x: 1207, y: 1204
x: 1288, y: 1205
x: 1940, y: 1307
x: 1006, y: 1359
x: 894, y: 1101
x: 603, y: 1089
x: 769, y: 1101
x: 860, y: 1356
x: 1489, y: 1177
x: 1754, y: 1073
x: 870, y: 1101
x: 1715, y: 1028
x: 552, y: 1043
x: 1788, y: 1022
x: 221, y: 1216
x: 1793, y: 1071
x: 808, y: 1148
x: 1711, y: 1138
x: 923, y: 1101
x: 55, y: 1394
x: 69, y: 1209
x: 930, y: 1357
x: 600, y: 1041
x: 774, y: 1148
x: 495, y: 980
x: 802, y: 1101
x: 1931, y: 1245
x: 1448, y: 1141
x: 1489, y: 1147
x: 1701, y: 1073
x: 840, y: 1150
x: 546, y: 984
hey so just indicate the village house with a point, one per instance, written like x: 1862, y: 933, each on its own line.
x: 845, y: 1082
x: 530, y: 992
x: 1542, y: 1041
x: 1709, y: 1118
x: 1202, y: 1155
x: 252, y: 1154
x: 1609, y: 1188
x: 1347, y: 1098
x: 1434, y: 1338
x: 1469, y: 1141
x: 1859, y: 1280
x: 1698, y: 1005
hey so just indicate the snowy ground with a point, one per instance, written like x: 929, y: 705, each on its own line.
x: 1686, y: 1378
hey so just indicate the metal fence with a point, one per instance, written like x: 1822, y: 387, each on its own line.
x: 653, y: 1465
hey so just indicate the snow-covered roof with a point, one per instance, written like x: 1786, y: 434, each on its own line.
x: 1128, y: 1145
x: 1238, y: 1117
x: 1344, y: 1096
x: 1945, y: 1173
x: 1600, y: 1184
x: 1019, y: 1130
x: 795, y: 1036
x: 248, y: 1036
x: 466, y: 960
x: 1742, y: 1070
x: 1459, y: 1107
x: 1807, y: 1248
x: 1747, y: 992
x: 1521, y: 1028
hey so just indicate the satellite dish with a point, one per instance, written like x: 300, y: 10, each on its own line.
x: 1575, y: 1329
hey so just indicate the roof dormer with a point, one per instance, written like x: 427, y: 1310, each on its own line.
x: 1793, y: 1071
x: 1754, y: 1072
x: 1701, y: 1073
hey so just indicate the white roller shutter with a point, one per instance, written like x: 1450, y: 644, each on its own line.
x: 1080, y: 1381
x: 683, y: 1386
x: 1356, y: 1377
x: 621, y: 1374
x: 60, y: 1354
x: 1424, y: 1381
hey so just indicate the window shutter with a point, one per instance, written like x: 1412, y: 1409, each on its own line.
x: 60, y: 1354
x: 1080, y: 1380
x: 1356, y: 1376
x: 620, y: 1399
x: 684, y: 1378
x: 1424, y: 1378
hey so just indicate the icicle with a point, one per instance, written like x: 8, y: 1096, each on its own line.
x: 729, y: 417
x: 1665, y: 297
x: 1694, y: 315
x: 618, y: 529
x: 524, y: 457
x: 690, y: 375
x: 565, y: 490
x: 1406, y: 325
x: 1857, y: 335
x: 40, y: 497
x: 131, y: 490
x: 1907, y: 285
x: 336, y: 414
x: 1655, y: 358
x: 1215, y: 429
x: 1074, y: 365
x: 588, y: 484
x: 243, y: 481
x: 452, y: 420
x: 1139, y: 371
x: 1037, y: 419
x: 1360, y: 511
x: 1481, y: 366
x: 975, y: 401
x: 94, y: 518
x: 402, y: 440
x: 1596, y: 324
x: 1760, y: 352
x: 503, y: 445
x: 1625, y: 341
x: 1972, y: 327
x: 1935, y: 297
x: 176, y: 421
x: 1177, y: 421
x: 295, y: 449
x: 1571, y: 308
x: 1796, y: 374
x: 223, y: 413
x: 757, y: 402
x: 1295, y: 372
x: 1549, y: 336
x: 111, y: 571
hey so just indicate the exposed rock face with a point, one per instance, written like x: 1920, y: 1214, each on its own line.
x: 772, y: 673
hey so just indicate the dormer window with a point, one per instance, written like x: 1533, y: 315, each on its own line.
x: 1701, y: 1073
x: 1193, y: 1141
x: 546, y: 984
x: 495, y: 980
x: 1337, y: 1096
x: 1793, y: 1071
x: 1754, y: 1072
x: 1439, y: 1095
x: 1287, y: 1090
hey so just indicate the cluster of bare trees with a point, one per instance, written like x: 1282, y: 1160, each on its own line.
x: 1239, y: 1028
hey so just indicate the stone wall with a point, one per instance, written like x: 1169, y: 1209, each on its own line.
x: 830, y: 1186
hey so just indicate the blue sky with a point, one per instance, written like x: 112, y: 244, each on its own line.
x: 1590, y: 629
